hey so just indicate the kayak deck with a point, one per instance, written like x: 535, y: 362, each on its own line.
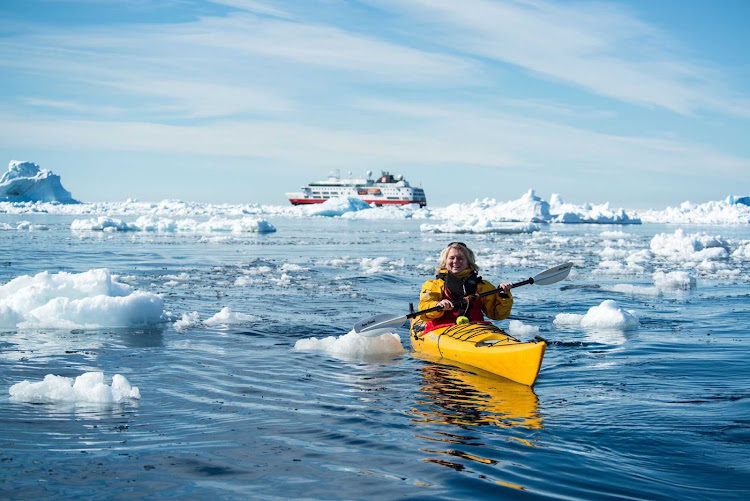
x: 482, y: 345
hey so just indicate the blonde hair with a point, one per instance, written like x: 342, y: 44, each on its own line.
x: 468, y: 254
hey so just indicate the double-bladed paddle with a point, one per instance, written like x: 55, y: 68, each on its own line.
x: 380, y: 324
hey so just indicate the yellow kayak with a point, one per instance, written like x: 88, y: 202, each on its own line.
x: 484, y: 346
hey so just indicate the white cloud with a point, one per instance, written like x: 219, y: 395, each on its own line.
x: 596, y: 46
x: 457, y: 136
x: 253, y: 6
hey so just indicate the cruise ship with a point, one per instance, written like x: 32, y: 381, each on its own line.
x: 385, y: 190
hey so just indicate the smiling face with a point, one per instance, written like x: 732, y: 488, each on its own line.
x: 456, y: 261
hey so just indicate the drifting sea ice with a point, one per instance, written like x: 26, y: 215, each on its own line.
x: 518, y: 328
x: 87, y: 388
x: 229, y: 317
x: 528, y: 208
x: 674, y: 280
x: 695, y: 247
x: 353, y: 345
x: 163, y: 225
x: 480, y: 226
x: 337, y: 207
x: 64, y: 300
x: 608, y: 315
x: 224, y: 318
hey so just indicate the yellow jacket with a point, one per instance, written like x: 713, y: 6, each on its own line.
x: 494, y: 306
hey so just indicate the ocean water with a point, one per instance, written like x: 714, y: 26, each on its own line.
x: 232, y: 410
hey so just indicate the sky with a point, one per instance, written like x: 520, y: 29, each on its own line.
x: 640, y: 103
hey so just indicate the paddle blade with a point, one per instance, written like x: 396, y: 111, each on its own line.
x: 378, y: 325
x: 553, y: 275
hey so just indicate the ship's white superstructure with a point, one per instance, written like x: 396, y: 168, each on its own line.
x: 385, y: 190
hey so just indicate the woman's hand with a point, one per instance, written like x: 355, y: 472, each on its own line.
x: 505, y: 288
x: 445, y: 304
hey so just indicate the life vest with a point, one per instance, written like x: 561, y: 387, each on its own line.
x: 455, y: 289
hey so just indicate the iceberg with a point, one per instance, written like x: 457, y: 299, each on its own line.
x: 27, y: 182
x: 529, y: 208
x: 337, y: 207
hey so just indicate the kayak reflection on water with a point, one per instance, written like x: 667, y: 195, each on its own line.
x: 454, y: 402
x: 455, y: 396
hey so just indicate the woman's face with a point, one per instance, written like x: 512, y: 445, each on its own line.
x: 455, y: 261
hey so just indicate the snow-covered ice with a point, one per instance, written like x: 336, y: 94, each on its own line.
x: 353, y: 345
x: 86, y: 300
x: 88, y: 388
x: 27, y: 182
x: 607, y: 315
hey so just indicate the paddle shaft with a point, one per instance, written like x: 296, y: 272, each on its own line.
x: 462, y: 301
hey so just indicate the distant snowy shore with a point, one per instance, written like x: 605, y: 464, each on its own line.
x: 480, y: 216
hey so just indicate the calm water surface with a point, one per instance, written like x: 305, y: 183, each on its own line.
x: 661, y: 412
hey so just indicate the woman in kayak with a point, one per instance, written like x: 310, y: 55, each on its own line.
x: 457, y: 279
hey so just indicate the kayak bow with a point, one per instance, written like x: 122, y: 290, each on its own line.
x: 482, y: 345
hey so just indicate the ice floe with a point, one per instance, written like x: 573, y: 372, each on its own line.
x: 480, y: 226
x: 726, y: 211
x: 518, y: 328
x: 674, y: 280
x: 607, y: 315
x: 528, y: 208
x: 337, y: 207
x: 353, y: 345
x: 165, y: 225
x: 87, y: 300
x: 225, y: 317
x: 88, y: 388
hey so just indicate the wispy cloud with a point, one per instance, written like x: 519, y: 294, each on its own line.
x: 467, y: 137
x: 254, y: 6
x: 223, y: 66
x: 599, y: 47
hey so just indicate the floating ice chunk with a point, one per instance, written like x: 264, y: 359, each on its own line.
x: 714, y: 212
x: 742, y: 252
x: 674, y: 280
x: 228, y: 317
x: 337, y: 207
x: 634, y: 290
x: 607, y: 315
x: 138, y: 309
x: 589, y: 213
x: 353, y: 345
x: 567, y: 320
x: 518, y: 328
x: 366, y: 264
x: 152, y: 224
x: 292, y: 268
x: 244, y: 225
x: 102, y: 223
x: 372, y: 266
x: 87, y: 388
x: 696, y: 247
x: 479, y: 226
x: 76, y: 300
x: 188, y: 321
x: 409, y: 211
